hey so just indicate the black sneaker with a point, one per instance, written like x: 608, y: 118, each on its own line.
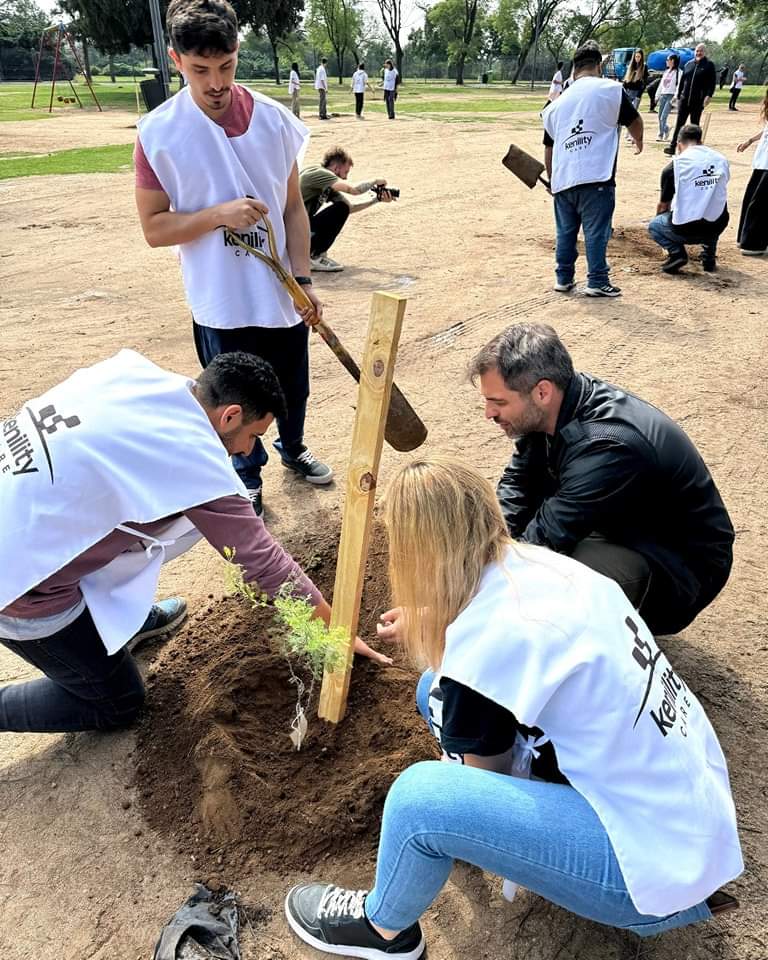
x: 607, y: 290
x: 674, y: 262
x: 254, y: 495
x: 670, y: 150
x: 332, y: 919
x: 306, y: 464
x: 163, y: 618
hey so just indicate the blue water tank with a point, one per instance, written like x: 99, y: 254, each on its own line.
x: 658, y: 59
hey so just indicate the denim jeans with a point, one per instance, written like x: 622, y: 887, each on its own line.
x: 664, y: 232
x: 542, y: 836
x: 665, y: 105
x: 591, y: 208
x: 389, y: 99
x: 286, y: 349
x: 84, y: 688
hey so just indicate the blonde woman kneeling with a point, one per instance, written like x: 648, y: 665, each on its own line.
x: 543, y: 670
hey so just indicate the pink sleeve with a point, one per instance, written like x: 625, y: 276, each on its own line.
x: 231, y: 522
x: 145, y: 175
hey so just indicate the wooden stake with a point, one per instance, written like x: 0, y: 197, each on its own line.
x: 705, y: 125
x: 377, y: 371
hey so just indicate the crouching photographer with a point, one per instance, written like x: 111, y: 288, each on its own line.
x: 324, y: 190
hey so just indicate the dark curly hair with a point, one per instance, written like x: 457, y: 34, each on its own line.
x: 202, y: 26
x: 244, y: 379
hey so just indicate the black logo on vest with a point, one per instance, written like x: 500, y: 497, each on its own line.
x: 578, y: 139
x: 19, y: 456
x: 674, y: 705
x: 257, y: 238
x: 708, y: 179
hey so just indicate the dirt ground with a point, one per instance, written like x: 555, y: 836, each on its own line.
x: 83, y: 874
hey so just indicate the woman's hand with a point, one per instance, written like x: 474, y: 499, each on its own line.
x: 363, y: 650
x: 392, y: 626
x: 743, y: 146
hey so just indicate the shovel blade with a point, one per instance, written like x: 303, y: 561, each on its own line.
x: 523, y: 165
x: 404, y: 429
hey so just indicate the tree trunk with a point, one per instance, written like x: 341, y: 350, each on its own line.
x: 86, y: 59
x: 112, y: 69
x: 275, y: 59
x: 399, y: 59
x: 341, y: 56
x: 522, y: 59
x: 460, y: 69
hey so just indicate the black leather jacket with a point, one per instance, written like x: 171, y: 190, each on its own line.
x: 618, y: 467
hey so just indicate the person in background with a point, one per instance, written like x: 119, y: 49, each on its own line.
x: 359, y: 86
x: 390, y: 81
x: 652, y: 90
x: 294, y: 87
x: 693, y: 207
x: 667, y: 92
x: 577, y: 762
x: 635, y: 81
x: 697, y: 87
x: 321, y: 85
x: 739, y: 76
x: 556, y: 86
x: 724, y: 75
x: 581, y: 136
x: 753, y: 223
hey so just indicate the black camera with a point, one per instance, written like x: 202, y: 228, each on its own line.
x: 380, y: 188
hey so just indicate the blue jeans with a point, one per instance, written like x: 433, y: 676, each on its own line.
x: 665, y: 105
x: 589, y: 207
x: 286, y: 349
x: 84, y: 687
x: 542, y: 836
x: 664, y: 232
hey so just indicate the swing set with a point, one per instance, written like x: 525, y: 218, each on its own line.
x: 47, y: 40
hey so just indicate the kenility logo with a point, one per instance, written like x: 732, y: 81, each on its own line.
x: 579, y: 138
x: 708, y: 179
x: 674, y: 704
x: 20, y: 452
x: 256, y: 238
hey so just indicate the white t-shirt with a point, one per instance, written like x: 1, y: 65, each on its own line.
x: 199, y: 166
x: 390, y: 79
x: 294, y: 83
x: 359, y: 80
x: 321, y: 78
x: 562, y: 649
x: 669, y: 82
x: 738, y: 79
x: 760, y: 159
x: 556, y: 87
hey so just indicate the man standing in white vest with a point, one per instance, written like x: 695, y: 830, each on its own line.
x: 693, y: 207
x: 118, y: 469
x: 218, y: 155
x: 581, y: 139
x: 321, y: 85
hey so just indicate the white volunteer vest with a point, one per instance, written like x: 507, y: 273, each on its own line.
x: 701, y: 185
x: 199, y: 166
x: 584, y: 124
x: 117, y: 443
x: 760, y: 159
x: 562, y: 648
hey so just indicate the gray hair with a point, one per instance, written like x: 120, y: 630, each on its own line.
x: 523, y: 354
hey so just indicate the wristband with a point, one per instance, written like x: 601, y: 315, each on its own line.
x: 303, y: 281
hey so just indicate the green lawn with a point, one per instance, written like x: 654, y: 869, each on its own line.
x: 110, y: 159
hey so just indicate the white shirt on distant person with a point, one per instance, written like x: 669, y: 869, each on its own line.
x: 556, y: 87
x: 390, y: 79
x: 321, y: 78
x: 359, y: 80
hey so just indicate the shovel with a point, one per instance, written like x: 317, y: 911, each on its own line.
x: 404, y: 429
x: 525, y: 167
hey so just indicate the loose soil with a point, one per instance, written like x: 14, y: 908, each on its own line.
x: 218, y: 731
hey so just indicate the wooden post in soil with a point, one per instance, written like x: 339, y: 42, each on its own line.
x: 376, y: 373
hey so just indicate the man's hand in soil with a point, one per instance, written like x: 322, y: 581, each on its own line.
x: 362, y: 648
x: 242, y: 213
x: 391, y: 626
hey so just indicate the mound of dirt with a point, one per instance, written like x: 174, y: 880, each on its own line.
x: 216, y: 769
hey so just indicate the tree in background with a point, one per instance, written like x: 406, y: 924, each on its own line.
x: 337, y: 22
x: 22, y: 20
x: 537, y: 15
x: 649, y: 24
x: 460, y: 23
x: 392, y: 17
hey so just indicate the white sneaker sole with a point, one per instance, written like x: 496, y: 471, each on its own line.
x: 365, y: 953
x: 315, y: 481
x: 752, y: 253
x: 599, y: 293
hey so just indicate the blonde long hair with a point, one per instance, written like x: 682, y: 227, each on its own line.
x: 445, y: 526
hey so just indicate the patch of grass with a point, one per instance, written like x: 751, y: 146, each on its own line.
x: 109, y: 159
x: 15, y: 99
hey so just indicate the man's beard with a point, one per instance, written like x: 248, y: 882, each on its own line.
x: 532, y: 421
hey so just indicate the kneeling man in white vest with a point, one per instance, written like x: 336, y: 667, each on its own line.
x: 693, y: 207
x: 96, y: 493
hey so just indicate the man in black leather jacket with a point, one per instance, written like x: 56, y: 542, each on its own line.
x: 605, y: 477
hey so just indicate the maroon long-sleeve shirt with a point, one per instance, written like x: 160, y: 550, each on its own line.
x: 226, y: 522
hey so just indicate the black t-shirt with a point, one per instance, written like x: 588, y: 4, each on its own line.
x: 627, y: 116
x: 696, y: 228
x: 473, y: 724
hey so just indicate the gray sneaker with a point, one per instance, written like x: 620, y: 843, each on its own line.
x: 323, y: 264
x: 163, y: 618
x: 306, y: 465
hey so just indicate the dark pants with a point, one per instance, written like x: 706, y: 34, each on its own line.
x: 686, y: 111
x: 322, y: 104
x: 286, y: 349
x: 734, y: 97
x: 389, y: 98
x: 84, y: 688
x: 666, y: 606
x: 359, y: 97
x: 591, y: 209
x: 753, y: 223
x: 326, y: 225
x: 673, y: 240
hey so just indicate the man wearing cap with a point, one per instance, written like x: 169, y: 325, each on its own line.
x: 581, y: 138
